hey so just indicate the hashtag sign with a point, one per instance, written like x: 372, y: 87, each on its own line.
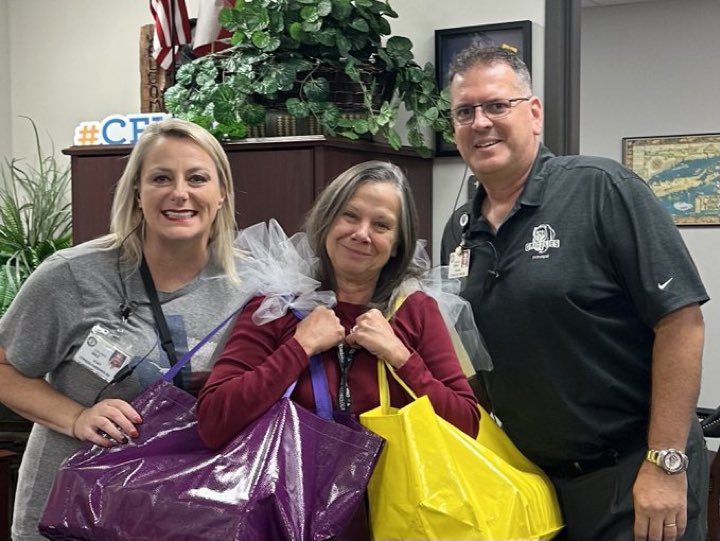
x: 87, y: 133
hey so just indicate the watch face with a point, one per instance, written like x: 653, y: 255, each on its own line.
x: 673, y: 462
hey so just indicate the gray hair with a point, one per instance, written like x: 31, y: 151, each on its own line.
x: 332, y: 202
x: 481, y: 55
x: 126, y: 231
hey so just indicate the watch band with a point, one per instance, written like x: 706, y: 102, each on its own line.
x: 671, y: 461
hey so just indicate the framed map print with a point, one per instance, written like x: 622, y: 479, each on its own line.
x: 683, y: 171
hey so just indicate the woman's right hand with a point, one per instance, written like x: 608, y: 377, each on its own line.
x: 107, y: 423
x: 319, y: 331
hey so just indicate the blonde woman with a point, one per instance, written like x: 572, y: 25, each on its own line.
x: 173, y: 213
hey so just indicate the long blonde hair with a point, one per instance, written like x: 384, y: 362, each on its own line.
x: 126, y: 216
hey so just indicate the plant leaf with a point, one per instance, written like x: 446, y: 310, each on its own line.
x: 317, y: 89
x: 297, y: 108
x: 35, y: 219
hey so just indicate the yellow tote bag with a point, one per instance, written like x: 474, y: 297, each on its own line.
x: 433, y: 481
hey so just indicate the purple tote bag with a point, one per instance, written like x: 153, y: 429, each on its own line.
x: 291, y: 475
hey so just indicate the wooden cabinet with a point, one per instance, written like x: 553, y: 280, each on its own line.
x: 273, y: 179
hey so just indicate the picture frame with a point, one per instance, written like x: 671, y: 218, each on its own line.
x: 682, y: 170
x: 450, y: 41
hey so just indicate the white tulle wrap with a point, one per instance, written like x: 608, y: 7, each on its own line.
x: 282, y: 269
x: 456, y: 311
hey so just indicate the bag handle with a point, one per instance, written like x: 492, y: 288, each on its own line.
x: 384, y: 366
x: 321, y: 390
x: 170, y: 374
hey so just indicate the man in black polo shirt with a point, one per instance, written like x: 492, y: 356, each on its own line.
x: 589, y: 302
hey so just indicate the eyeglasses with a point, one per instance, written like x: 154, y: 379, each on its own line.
x: 493, y: 110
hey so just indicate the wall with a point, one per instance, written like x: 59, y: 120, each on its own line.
x: 5, y: 104
x: 652, y: 69
x: 73, y: 60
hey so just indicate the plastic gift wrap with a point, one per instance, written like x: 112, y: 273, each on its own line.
x: 456, y: 311
x: 290, y: 475
x: 282, y: 269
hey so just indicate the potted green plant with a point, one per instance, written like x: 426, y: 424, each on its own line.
x: 35, y: 217
x: 300, y: 56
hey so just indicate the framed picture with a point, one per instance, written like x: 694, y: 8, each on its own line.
x: 683, y: 171
x: 451, y: 41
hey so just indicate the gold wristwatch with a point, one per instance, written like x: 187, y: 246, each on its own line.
x: 670, y: 460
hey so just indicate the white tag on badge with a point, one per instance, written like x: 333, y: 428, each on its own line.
x: 459, y: 263
x: 101, y: 355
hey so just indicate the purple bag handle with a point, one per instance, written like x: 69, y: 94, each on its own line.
x: 174, y: 370
x: 321, y: 391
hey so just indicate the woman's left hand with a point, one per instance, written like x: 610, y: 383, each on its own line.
x: 373, y: 332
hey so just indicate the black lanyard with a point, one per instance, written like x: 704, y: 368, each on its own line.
x: 345, y: 359
x: 165, y: 338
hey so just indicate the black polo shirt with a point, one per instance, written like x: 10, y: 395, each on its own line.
x: 588, y: 262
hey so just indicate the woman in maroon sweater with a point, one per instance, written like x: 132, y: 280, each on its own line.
x: 363, y: 228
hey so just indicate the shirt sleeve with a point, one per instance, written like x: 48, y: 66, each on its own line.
x: 433, y: 368
x: 36, y: 332
x: 256, y: 366
x: 647, y: 250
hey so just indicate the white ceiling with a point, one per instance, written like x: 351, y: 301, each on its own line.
x: 596, y: 3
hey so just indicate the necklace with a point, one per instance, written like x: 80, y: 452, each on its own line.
x: 345, y: 359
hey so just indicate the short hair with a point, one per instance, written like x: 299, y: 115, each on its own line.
x: 480, y: 55
x: 126, y: 215
x: 331, y: 202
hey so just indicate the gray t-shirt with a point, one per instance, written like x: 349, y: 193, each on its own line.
x: 50, y: 319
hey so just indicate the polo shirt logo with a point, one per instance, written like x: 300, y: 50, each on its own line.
x: 543, y: 238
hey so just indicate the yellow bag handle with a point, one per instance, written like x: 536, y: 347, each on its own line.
x: 384, y: 366
x: 383, y: 387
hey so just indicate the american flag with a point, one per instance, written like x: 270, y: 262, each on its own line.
x: 209, y: 36
x: 172, y: 29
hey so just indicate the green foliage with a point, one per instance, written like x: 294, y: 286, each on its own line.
x: 35, y: 218
x: 282, y: 52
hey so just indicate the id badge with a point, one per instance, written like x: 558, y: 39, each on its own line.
x: 102, y: 353
x: 459, y: 266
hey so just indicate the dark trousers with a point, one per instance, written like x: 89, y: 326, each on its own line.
x: 598, y: 506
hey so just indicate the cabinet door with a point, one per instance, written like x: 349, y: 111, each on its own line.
x: 93, y: 185
x: 273, y: 184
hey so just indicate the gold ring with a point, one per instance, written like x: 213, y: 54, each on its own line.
x: 669, y: 525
